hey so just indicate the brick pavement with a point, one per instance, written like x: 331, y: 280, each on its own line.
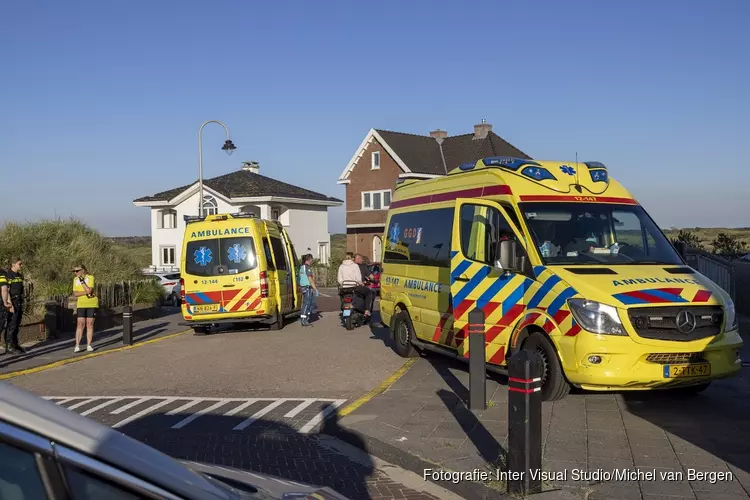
x: 261, y: 435
x: 422, y: 422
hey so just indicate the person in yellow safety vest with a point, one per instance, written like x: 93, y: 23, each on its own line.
x: 15, y: 292
x: 88, y: 303
x: 5, y: 304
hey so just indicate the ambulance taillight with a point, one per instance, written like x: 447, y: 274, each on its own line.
x: 263, y: 284
x: 182, y: 290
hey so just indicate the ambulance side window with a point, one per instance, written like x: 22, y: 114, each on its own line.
x: 269, y: 257
x: 481, y: 229
x: 278, y: 252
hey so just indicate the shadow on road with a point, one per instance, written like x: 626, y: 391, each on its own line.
x: 379, y: 330
x: 102, y: 341
x: 266, y: 446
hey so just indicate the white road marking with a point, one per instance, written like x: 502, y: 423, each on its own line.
x: 321, y: 416
x: 100, y: 406
x: 184, y: 407
x: 182, y: 423
x: 241, y: 407
x: 153, y: 403
x: 304, y: 404
x: 258, y: 414
x: 129, y: 405
x: 143, y: 412
x: 78, y: 405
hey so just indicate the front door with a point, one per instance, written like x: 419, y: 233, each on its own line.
x: 377, y: 248
x: 477, y: 283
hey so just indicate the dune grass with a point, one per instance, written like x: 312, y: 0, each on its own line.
x: 50, y: 248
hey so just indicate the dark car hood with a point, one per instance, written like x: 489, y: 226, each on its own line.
x: 268, y: 486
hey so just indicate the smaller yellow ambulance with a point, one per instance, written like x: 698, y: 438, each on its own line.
x: 562, y: 261
x: 237, y: 268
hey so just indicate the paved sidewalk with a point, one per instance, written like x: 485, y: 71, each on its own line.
x: 422, y: 422
x: 43, y: 353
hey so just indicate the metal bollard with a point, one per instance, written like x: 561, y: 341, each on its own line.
x: 127, y: 325
x: 51, y: 316
x: 477, y: 361
x: 525, y: 423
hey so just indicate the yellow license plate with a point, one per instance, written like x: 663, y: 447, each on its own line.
x: 206, y: 308
x: 681, y: 371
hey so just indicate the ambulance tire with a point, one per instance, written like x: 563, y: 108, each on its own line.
x: 278, y: 323
x: 200, y: 330
x: 554, y: 386
x: 403, y: 330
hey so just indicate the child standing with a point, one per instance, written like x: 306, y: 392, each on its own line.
x: 307, y: 284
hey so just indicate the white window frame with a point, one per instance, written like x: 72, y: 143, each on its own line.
x: 161, y: 255
x: 382, y: 192
x: 323, y: 252
x: 373, y: 156
x: 168, y: 214
x: 210, y: 205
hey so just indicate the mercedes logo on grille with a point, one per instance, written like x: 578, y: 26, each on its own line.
x: 685, y: 322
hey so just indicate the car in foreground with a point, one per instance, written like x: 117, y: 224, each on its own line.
x: 49, y: 452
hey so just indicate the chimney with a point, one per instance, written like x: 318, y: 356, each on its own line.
x: 482, y: 130
x: 250, y: 166
x: 439, y: 135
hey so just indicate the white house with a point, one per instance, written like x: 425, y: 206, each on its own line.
x: 302, y: 212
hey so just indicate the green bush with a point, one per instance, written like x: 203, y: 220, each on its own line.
x: 50, y: 248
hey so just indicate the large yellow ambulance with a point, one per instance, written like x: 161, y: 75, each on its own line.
x: 563, y: 261
x: 237, y: 268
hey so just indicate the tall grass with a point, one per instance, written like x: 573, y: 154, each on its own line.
x: 50, y: 248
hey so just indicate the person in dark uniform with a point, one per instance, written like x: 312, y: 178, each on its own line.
x: 15, y: 291
x: 5, y: 304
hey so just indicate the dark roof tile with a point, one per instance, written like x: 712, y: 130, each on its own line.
x: 421, y: 154
x: 243, y: 183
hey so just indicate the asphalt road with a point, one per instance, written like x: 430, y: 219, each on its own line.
x: 323, y: 361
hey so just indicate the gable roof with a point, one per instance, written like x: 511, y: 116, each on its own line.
x: 420, y: 154
x: 245, y: 184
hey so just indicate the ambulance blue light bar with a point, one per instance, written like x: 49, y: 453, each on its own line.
x: 594, y: 164
x: 200, y: 218
x: 509, y: 162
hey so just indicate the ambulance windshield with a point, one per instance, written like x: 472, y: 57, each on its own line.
x: 220, y: 256
x: 596, y: 233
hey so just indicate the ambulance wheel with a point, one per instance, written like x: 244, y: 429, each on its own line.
x: 278, y: 323
x: 200, y: 330
x: 403, y: 330
x: 554, y: 385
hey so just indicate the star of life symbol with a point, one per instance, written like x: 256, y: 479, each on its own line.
x: 203, y: 256
x: 566, y: 169
x: 237, y: 253
x: 395, y: 233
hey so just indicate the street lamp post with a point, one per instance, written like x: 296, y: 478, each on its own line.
x: 228, y: 148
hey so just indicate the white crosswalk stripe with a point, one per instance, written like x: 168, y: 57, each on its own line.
x: 298, y: 413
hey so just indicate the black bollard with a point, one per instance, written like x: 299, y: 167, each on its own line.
x: 525, y: 423
x: 477, y: 360
x: 127, y: 325
x: 51, y: 318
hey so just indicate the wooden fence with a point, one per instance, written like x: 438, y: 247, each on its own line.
x: 110, y: 295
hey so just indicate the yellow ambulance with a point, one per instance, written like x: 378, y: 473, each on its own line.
x: 237, y: 268
x: 562, y: 261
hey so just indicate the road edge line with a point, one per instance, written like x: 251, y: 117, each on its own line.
x: 384, y: 386
x: 63, y: 362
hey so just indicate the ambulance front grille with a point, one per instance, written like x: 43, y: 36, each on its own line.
x: 660, y: 323
x: 668, y: 358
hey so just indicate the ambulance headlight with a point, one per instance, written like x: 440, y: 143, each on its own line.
x: 596, y: 318
x: 732, y: 320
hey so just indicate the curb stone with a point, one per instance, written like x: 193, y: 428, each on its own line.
x: 415, y: 464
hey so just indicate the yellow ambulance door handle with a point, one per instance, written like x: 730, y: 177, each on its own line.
x: 463, y: 277
x: 228, y: 286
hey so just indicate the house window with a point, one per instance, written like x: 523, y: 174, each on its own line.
x: 275, y: 213
x: 376, y: 200
x: 210, y: 206
x: 375, y: 160
x: 168, y: 219
x: 167, y: 256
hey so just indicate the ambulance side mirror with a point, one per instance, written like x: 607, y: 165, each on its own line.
x: 508, y: 256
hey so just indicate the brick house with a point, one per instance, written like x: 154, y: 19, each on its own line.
x: 385, y: 156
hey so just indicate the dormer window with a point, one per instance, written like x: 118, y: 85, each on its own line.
x: 375, y: 160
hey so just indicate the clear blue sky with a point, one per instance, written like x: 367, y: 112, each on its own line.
x: 100, y: 101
